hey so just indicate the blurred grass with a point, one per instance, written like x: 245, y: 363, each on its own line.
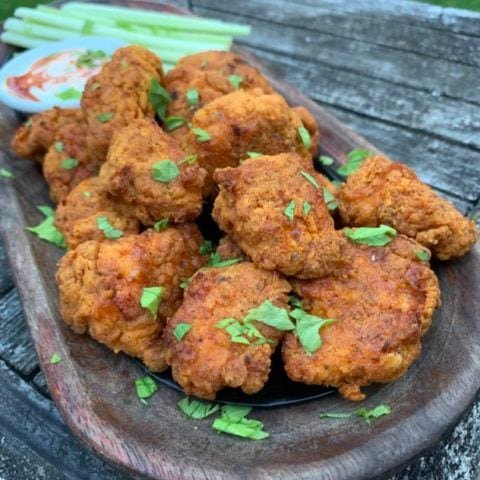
x: 466, y: 4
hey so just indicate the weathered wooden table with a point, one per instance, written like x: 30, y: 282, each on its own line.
x: 406, y: 76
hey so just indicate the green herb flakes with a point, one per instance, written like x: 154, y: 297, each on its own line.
x: 88, y: 59
x: 159, y: 98
x: 325, y: 160
x: 306, y: 207
x: 186, y: 283
x: 172, y: 123
x: 189, y: 160
x: 47, y: 230
x: 372, y: 236
x: 354, y: 161
x: 151, y: 299
x: 181, y: 330
x: 104, y: 117
x: 165, y: 171
x: 329, y: 199
x: 290, y: 210
x: 197, y: 409
x: 69, y: 163
x: 305, y: 137
x: 423, y: 255
x: 69, y: 94
x: 271, y: 315
x: 58, y: 146
x: 235, y: 81
x: 161, y: 225
x: 87, y: 194
x: 254, y: 154
x: 4, y: 173
x: 109, y: 231
x: 192, y: 97
x: 28, y: 123
x: 202, y: 135
x: 295, y: 301
x: 242, y: 332
x: 217, y: 262
x: 233, y: 421
x: 145, y: 387
x: 365, y: 414
x: 309, y: 177
x: 55, y: 358
x: 206, y: 248
x: 307, y: 329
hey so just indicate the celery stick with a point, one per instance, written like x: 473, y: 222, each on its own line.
x: 48, y: 19
x: 37, y: 30
x: 21, y: 40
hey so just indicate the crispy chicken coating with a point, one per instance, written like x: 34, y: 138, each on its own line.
x: 382, y: 300
x: 118, y: 95
x: 228, y: 249
x: 382, y: 191
x: 243, y: 122
x: 101, y: 285
x: 76, y: 216
x: 206, y: 360
x: 33, y: 139
x: 278, y: 216
x: 211, y: 74
x: 138, y: 171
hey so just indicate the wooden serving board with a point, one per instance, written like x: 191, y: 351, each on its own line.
x: 93, y: 388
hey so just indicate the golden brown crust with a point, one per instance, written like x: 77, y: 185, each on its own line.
x: 101, y: 285
x: 242, y: 122
x: 382, y: 300
x: 251, y: 205
x: 76, y: 216
x: 206, y: 360
x: 121, y: 89
x: 127, y: 175
x: 228, y: 249
x: 382, y: 191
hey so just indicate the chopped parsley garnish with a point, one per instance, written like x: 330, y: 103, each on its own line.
x: 186, y: 283
x: 159, y: 98
x: 235, y: 81
x: 69, y: 94
x: 330, y: 200
x: 271, y: 315
x: 4, y: 173
x: 104, y: 117
x: 109, y: 231
x: 372, y: 236
x: 202, y: 135
x: 216, y: 261
x: 58, y: 146
x: 189, y: 160
x: 206, y: 248
x: 295, y: 301
x: 325, y: 160
x: 145, y: 387
x: 87, y: 194
x: 306, y: 207
x: 290, y: 210
x: 311, y: 179
x: 197, y: 409
x: 172, y: 123
x: 181, y: 330
x: 354, y: 161
x: 423, y: 255
x: 28, y: 123
x: 192, y: 97
x: 151, y: 299
x: 161, y: 225
x: 88, y: 58
x: 365, y: 414
x: 47, y: 230
x: 95, y: 86
x: 307, y: 328
x: 55, y: 358
x: 234, y: 422
x: 165, y: 171
x: 242, y: 332
x: 69, y: 163
x: 254, y: 154
x: 305, y: 137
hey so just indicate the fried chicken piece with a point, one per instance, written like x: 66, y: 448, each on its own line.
x: 243, y: 122
x: 138, y: 154
x: 278, y: 216
x: 76, y: 216
x: 118, y: 95
x: 101, y: 285
x: 211, y: 74
x: 386, y: 192
x: 33, y: 139
x: 206, y: 360
x: 228, y: 249
x: 382, y: 300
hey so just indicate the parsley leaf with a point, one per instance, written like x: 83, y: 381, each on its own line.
x: 235, y: 81
x: 55, y: 358
x: 88, y: 58
x: 189, y: 160
x: 376, y: 412
x: 192, y: 97
x: 216, y: 261
x: 295, y: 301
x: 4, y: 173
x: 197, y: 409
x: 104, y: 117
x: 306, y: 207
x: 305, y: 137
x: 254, y: 154
x: 329, y: 199
x: 236, y: 329
x: 145, y: 387
x: 307, y: 328
x: 165, y: 171
x: 47, y: 230
x: 202, y: 135
x: 335, y: 415
x: 290, y: 210
x: 181, y: 330
x: 87, y: 194
x: 423, y: 255
x: 110, y: 232
x: 271, y: 315
x: 372, y: 236
x: 311, y: 179
x: 69, y: 94
x: 161, y: 225
x: 186, y: 283
x: 354, y: 161
x: 159, y: 98
x: 173, y: 122
x: 325, y: 160
x: 69, y: 163
x: 206, y: 248
x: 58, y: 146
x: 151, y: 299
x: 234, y: 422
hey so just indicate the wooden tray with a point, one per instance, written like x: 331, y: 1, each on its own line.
x: 93, y: 388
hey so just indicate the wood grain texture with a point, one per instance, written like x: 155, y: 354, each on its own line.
x: 94, y: 389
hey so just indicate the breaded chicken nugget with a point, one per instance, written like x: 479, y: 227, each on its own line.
x: 33, y: 139
x: 205, y: 359
x: 118, y: 95
x: 207, y: 76
x: 386, y: 192
x: 275, y: 211
x: 77, y: 215
x: 102, y: 288
x: 227, y: 129
x: 147, y: 170
x: 228, y: 249
x: 382, y: 300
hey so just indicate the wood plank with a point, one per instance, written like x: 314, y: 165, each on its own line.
x: 432, y: 75
x: 40, y: 383
x: 372, y: 22
x: 6, y: 281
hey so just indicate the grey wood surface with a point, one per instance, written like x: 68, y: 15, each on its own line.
x: 403, y: 74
